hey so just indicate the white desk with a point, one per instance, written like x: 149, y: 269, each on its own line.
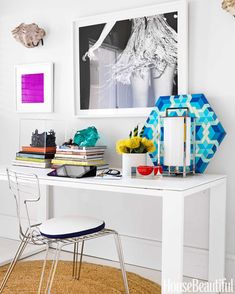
x: 173, y: 192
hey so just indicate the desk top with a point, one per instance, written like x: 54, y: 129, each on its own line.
x: 164, y: 183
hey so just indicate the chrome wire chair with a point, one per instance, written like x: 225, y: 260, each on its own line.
x: 22, y: 186
x: 60, y: 232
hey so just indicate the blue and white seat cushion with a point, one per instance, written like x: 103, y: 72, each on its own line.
x: 70, y: 227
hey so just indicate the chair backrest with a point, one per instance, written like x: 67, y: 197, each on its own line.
x: 26, y: 189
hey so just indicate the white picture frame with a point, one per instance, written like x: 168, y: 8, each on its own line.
x: 34, y: 87
x: 181, y: 7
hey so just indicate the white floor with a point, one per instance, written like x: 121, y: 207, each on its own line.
x: 8, y: 248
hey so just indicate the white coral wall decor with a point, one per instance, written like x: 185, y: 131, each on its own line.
x: 29, y: 35
x: 229, y: 5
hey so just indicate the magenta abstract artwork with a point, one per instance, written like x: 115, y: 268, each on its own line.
x: 32, y: 86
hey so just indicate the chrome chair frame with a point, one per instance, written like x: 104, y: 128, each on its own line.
x: 77, y: 268
x: 24, y: 184
x: 28, y: 184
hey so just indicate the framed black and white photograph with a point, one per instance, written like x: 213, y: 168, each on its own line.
x: 126, y: 60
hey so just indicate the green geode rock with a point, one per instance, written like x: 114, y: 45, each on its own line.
x: 87, y: 137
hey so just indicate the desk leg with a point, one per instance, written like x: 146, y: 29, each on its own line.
x: 43, y: 205
x: 172, y: 242
x: 217, y: 232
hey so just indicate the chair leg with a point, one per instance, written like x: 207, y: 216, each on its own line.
x: 17, y: 256
x: 76, y: 269
x: 80, y: 262
x: 121, y: 260
x: 75, y: 254
x: 53, y: 269
x: 43, y: 269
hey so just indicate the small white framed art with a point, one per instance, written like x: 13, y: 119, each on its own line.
x: 34, y: 87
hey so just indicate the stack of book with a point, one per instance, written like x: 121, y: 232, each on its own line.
x: 75, y: 155
x: 35, y: 156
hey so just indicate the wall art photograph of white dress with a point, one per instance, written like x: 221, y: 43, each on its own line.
x: 128, y: 63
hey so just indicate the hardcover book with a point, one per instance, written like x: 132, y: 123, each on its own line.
x: 35, y: 155
x: 39, y: 149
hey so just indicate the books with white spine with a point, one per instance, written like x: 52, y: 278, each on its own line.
x: 75, y: 147
x: 76, y: 162
x: 31, y: 164
x: 77, y: 156
x: 81, y: 150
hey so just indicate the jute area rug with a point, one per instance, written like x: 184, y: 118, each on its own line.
x: 95, y: 279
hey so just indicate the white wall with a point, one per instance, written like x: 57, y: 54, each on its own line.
x: 211, y: 65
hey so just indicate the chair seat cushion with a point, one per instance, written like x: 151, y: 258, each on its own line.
x: 70, y: 227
